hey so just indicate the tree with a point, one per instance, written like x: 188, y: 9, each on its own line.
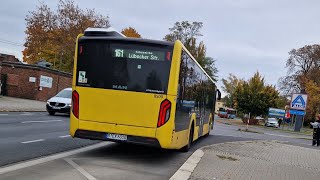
x: 282, y: 101
x: 302, y: 64
x: 51, y: 34
x: 229, y: 86
x: 313, y: 91
x: 255, y: 97
x: 184, y: 31
x: 131, y: 32
x: 188, y: 33
x: 303, y: 75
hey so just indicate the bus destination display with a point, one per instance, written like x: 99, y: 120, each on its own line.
x: 139, y: 54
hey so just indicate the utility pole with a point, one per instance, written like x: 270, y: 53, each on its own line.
x: 248, y: 121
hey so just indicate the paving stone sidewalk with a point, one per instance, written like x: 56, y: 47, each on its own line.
x: 258, y: 160
x: 16, y: 104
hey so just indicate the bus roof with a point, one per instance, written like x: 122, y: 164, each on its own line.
x: 112, y: 34
x: 129, y: 39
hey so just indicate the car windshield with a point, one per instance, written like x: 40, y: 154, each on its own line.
x: 64, y: 94
x: 272, y: 120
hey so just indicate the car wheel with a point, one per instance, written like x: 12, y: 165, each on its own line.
x: 51, y: 113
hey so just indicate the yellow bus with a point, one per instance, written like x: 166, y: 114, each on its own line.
x: 139, y: 91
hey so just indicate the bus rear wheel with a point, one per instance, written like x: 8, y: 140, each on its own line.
x: 210, y: 125
x: 190, y: 140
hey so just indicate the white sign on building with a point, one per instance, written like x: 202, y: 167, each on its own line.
x: 46, y: 81
x: 32, y: 79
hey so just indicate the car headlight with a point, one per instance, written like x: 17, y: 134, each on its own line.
x: 48, y: 102
x: 69, y: 105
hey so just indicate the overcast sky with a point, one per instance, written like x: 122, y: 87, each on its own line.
x: 244, y: 36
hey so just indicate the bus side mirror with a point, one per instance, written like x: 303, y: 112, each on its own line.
x: 219, y: 94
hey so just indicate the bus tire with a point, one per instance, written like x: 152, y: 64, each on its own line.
x: 210, y: 124
x: 190, y: 139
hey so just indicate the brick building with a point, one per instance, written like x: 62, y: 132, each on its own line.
x: 31, y: 81
x: 8, y: 57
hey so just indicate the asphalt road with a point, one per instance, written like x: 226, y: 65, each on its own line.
x: 25, y: 136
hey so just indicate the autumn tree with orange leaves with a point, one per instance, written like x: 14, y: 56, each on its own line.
x: 130, y: 32
x: 51, y: 34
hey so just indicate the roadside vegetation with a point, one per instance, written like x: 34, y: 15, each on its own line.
x: 254, y: 96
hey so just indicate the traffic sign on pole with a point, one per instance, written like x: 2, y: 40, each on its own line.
x: 299, y: 102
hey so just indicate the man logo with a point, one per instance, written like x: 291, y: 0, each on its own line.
x: 119, y: 87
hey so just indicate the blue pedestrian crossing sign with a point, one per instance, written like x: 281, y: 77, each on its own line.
x: 299, y: 102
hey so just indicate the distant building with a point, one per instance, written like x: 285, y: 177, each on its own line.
x: 8, y: 58
x: 219, y: 104
x: 37, y: 82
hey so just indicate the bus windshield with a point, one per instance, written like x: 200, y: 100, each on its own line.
x: 123, y: 65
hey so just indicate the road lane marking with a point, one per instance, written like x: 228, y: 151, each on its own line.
x: 32, y: 141
x: 24, y: 122
x: 64, y: 136
x: 51, y: 158
x: 80, y: 169
x: 26, y: 114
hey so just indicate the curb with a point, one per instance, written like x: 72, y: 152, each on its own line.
x: 185, y: 171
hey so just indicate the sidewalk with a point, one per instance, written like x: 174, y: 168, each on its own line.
x: 16, y: 104
x: 257, y: 160
x: 304, y: 131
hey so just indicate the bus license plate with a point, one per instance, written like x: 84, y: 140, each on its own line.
x: 117, y: 137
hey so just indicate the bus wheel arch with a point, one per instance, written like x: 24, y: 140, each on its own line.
x: 210, y: 125
x: 190, y: 138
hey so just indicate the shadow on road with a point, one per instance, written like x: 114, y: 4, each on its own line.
x: 145, y: 154
x: 59, y: 115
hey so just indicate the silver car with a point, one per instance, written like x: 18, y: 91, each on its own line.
x: 60, y: 103
x: 272, y: 122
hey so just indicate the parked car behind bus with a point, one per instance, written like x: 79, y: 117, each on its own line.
x: 60, y: 103
x: 272, y: 122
